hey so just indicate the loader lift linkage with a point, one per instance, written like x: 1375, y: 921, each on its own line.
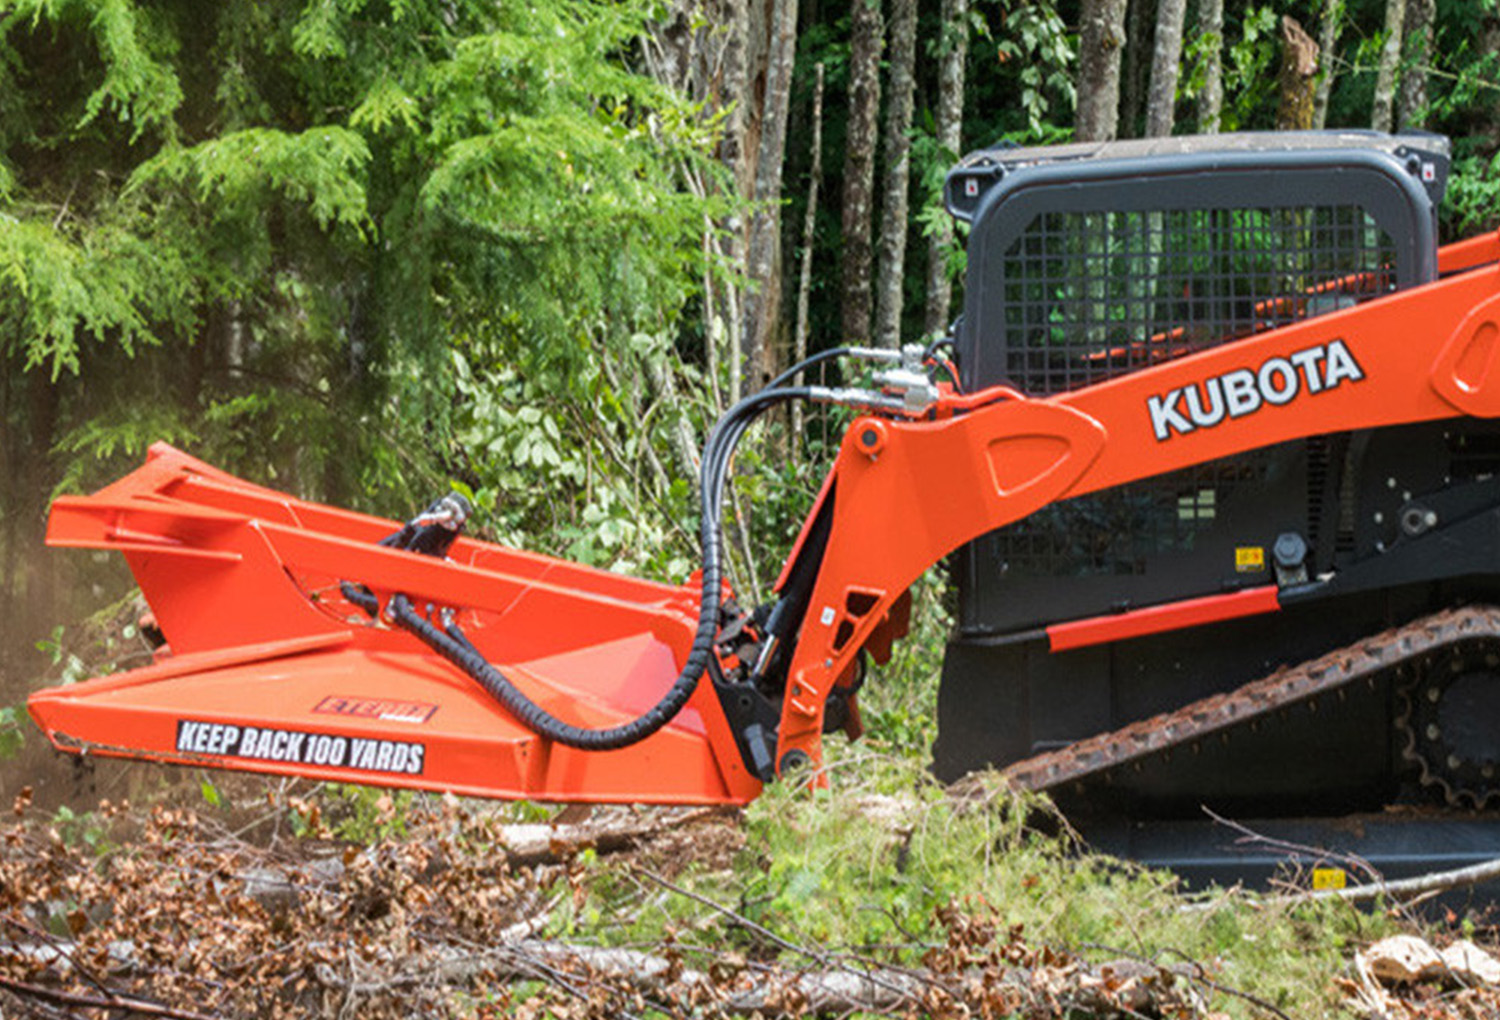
x: 305, y: 640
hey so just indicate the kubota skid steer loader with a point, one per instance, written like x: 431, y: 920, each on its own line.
x: 1217, y: 480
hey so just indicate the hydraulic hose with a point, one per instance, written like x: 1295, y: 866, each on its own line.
x: 452, y: 644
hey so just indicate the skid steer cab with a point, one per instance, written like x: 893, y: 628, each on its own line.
x: 1217, y: 408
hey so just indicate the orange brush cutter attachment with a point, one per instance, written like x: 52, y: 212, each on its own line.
x: 274, y: 665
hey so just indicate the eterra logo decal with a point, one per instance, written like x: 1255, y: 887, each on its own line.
x: 1278, y: 381
x: 376, y: 708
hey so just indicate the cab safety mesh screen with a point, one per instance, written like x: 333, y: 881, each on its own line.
x: 1092, y: 295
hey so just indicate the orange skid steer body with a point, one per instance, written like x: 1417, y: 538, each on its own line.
x: 271, y: 667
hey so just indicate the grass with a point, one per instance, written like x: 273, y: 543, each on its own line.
x: 871, y: 866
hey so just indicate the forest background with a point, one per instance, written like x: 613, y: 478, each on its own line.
x: 365, y: 250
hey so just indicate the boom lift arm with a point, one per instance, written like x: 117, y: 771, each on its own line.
x: 273, y: 668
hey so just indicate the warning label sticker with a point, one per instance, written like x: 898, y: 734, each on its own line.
x: 1249, y: 559
x: 298, y: 747
x: 1329, y: 878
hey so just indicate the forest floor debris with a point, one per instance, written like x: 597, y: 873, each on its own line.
x: 433, y: 907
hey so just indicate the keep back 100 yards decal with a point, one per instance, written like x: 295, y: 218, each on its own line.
x: 297, y: 747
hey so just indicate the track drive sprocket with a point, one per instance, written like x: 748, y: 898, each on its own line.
x: 1449, y: 721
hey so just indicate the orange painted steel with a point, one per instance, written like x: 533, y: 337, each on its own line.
x: 270, y: 670
x: 1462, y: 255
x: 244, y: 580
x: 1099, y: 630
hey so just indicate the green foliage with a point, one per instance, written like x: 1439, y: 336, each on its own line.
x: 234, y: 175
x: 84, y: 829
x: 1198, y: 47
x: 1474, y: 195
x: 562, y: 458
x: 1250, y: 70
x: 899, y: 701
x: 120, y: 434
x: 71, y: 666
x: 1036, y: 38
x: 931, y: 162
x: 871, y: 868
x: 211, y: 795
x: 270, y: 231
x: 1467, y: 78
x: 105, y: 282
x: 107, y: 641
x: 135, y: 81
x: 364, y: 815
x: 12, y: 731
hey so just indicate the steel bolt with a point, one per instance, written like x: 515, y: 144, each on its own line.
x: 793, y: 760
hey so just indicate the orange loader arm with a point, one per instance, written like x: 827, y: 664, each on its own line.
x: 275, y: 664
x: 906, y: 492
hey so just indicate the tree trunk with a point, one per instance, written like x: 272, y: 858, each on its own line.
x: 736, y: 99
x: 1101, y: 39
x: 1299, y: 69
x: 1328, y: 37
x: 1211, y: 96
x: 867, y: 32
x: 953, y: 52
x: 804, y: 281
x: 1166, y: 60
x: 1390, y: 58
x: 1411, y: 103
x: 893, y: 215
x: 1137, y: 56
x: 727, y: 84
x: 703, y: 49
x: 763, y: 250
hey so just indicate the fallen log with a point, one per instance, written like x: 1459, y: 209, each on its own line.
x: 769, y: 990
x: 1437, y: 881
x: 1119, y: 988
x: 529, y: 845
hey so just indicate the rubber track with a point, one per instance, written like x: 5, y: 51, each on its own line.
x: 1365, y: 659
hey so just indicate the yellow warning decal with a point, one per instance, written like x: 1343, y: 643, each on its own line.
x: 1329, y: 878
x: 1249, y: 558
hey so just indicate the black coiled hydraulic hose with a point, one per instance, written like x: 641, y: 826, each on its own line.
x: 451, y: 643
